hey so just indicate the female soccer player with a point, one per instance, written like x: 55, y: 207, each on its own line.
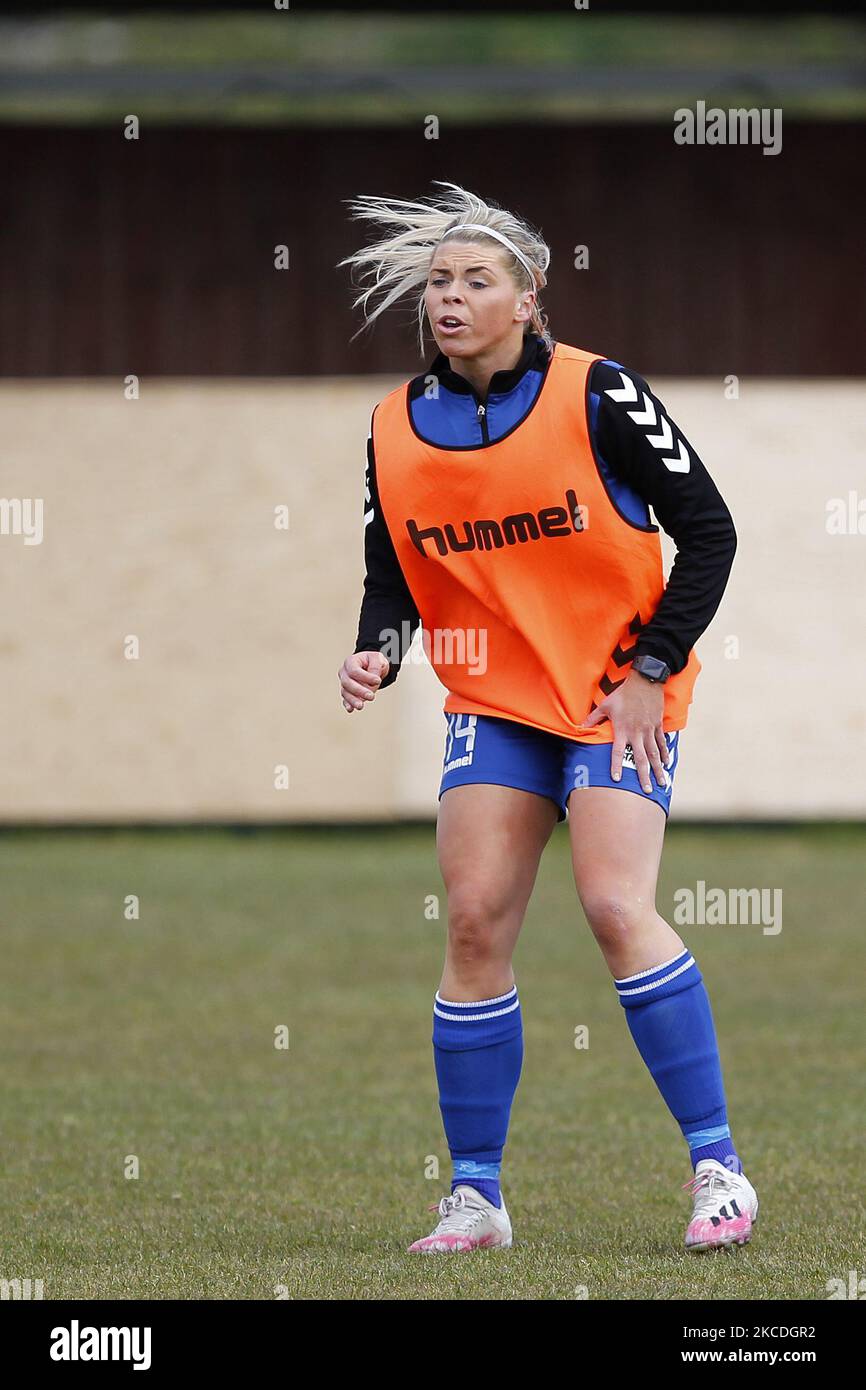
x: 507, y: 510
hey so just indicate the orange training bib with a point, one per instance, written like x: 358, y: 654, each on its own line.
x: 532, y: 587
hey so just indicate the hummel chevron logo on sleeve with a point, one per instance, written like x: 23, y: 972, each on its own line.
x: 647, y: 416
x: 627, y: 392
x: 681, y: 464
x: 664, y: 439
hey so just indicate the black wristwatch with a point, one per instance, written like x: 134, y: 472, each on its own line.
x: 650, y: 667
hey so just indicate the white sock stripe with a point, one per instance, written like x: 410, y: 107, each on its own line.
x: 642, y: 974
x: 642, y: 989
x: 475, y: 1018
x: 476, y: 1003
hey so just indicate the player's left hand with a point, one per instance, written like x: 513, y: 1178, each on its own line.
x: 635, y: 709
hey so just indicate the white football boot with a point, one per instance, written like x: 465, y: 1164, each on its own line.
x: 467, y: 1222
x: 726, y: 1207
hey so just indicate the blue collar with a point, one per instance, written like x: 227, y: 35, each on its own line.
x: 534, y: 357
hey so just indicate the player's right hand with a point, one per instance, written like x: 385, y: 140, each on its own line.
x: 360, y: 675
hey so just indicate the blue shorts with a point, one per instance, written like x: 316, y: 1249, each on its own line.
x: 484, y: 748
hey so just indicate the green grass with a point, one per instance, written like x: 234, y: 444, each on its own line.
x: 396, y: 51
x: 304, y: 1169
x: 342, y: 40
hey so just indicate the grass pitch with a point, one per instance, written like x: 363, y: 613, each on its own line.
x: 301, y: 1172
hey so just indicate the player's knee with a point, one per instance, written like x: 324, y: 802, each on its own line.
x: 473, y: 922
x: 612, y: 917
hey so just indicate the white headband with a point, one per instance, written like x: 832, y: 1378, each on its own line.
x: 491, y: 231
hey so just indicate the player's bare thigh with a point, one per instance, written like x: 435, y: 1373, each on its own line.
x: 489, y: 841
x: 616, y: 847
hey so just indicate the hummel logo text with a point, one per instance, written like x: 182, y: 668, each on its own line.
x: 487, y: 534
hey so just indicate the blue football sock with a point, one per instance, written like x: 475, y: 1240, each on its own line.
x: 478, y: 1051
x: 668, y: 1013
x: 488, y: 1187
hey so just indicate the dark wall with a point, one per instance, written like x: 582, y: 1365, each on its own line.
x: 156, y: 256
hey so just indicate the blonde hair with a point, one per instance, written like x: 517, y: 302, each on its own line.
x: 399, y: 263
